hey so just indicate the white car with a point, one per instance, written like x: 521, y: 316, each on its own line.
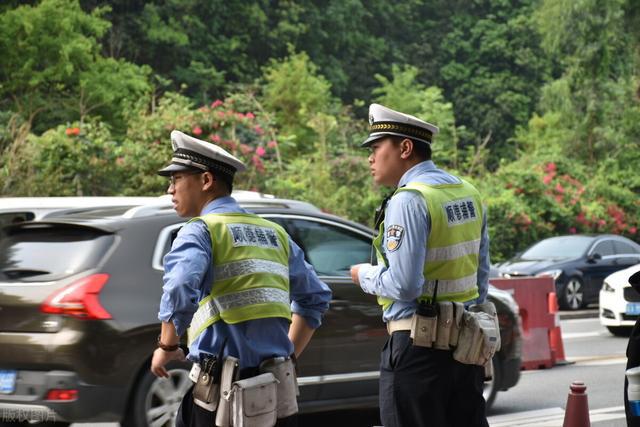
x: 619, y: 302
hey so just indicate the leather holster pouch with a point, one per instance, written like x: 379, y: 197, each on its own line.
x: 479, y: 337
x: 284, y: 370
x: 254, y: 401
x: 206, y: 390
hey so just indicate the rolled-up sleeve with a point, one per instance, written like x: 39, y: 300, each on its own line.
x: 310, y: 296
x: 185, y: 266
x: 407, y: 223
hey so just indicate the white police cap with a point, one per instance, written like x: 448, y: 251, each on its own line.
x: 384, y: 121
x: 192, y: 154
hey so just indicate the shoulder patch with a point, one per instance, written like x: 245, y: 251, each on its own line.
x: 460, y: 211
x: 394, y: 236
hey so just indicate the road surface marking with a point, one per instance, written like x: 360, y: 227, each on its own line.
x: 573, y: 335
x: 551, y: 417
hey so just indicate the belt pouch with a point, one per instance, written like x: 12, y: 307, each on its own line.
x: 285, y: 372
x: 458, y: 310
x: 469, y: 341
x: 423, y: 325
x: 223, y: 415
x: 254, y: 401
x: 205, y: 392
x: 445, y: 322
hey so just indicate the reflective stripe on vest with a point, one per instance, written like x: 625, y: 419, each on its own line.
x: 453, y: 245
x: 250, y: 272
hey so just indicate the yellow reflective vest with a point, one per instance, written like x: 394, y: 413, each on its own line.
x: 453, y: 245
x: 250, y: 271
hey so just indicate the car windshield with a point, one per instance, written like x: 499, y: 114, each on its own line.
x: 558, y: 247
x: 34, y: 253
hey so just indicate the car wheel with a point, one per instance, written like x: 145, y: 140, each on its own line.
x: 620, y: 331
x: 492, y: 386
x: 156, y: 400
x: 572, y: 295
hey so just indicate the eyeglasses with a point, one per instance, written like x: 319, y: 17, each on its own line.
x: 175, y: 178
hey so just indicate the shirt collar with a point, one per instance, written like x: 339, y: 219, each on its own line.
x: 219, y: 204
x: 416, y: 170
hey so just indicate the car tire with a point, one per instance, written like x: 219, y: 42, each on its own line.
x: 158, y: 399
x: 492, y: 386
x: 571, y: 296
x: 620, y: 331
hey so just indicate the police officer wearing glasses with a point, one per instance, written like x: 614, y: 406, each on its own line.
x: 239, y: 287
x: 432, y: 253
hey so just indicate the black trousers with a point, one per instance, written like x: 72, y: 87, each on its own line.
x: 192, y: 415
x: 422, y: 387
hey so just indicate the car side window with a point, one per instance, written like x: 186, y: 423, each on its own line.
x: 604, y: 248
x: 624, y: 248
x: 331, y: 249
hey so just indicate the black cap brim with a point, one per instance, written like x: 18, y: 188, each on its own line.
x: 177, y: 167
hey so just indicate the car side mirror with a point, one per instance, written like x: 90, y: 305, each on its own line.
x: 593, y: 258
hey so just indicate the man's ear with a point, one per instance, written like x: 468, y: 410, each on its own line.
x: 208, y: 181
x: 406, y: 148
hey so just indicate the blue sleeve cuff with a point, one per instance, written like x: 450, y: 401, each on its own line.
x: 312, y: 317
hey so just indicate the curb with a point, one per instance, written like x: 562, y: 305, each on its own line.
x: 579, y: 314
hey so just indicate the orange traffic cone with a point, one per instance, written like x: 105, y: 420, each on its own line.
x: 577, y: 412
x: 555, y: 334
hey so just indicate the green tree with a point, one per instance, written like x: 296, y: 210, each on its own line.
x: 296, y: 93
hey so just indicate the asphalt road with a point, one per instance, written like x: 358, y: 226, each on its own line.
x: 539, y: 399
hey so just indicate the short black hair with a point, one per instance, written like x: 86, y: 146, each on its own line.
x: 421, y: 149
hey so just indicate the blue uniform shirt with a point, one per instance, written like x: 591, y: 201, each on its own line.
x: 187, y: 280
x: 402, y: 281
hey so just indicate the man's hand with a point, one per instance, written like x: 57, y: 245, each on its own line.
x: 161, y: 358
x: 354, y: 273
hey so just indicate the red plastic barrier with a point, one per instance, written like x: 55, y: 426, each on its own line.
x: 532, y: 295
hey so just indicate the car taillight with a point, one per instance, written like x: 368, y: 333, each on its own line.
x: 80, y: 299
x: 57, y: 394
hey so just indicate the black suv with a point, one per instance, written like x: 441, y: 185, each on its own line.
x: 79, y: 297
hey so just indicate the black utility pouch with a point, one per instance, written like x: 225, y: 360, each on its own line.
x: 207, y: 387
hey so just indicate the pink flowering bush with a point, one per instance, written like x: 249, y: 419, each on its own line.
x: 534, y: 198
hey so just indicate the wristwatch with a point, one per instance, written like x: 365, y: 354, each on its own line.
x: 166, y: 347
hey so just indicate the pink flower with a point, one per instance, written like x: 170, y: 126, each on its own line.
x: 257, y: 163
x: 215, y: 137
x: 216, y: 103
x: 260, y: 151
x: 550, y: 167
x: 559, y: 188
x: 221, y: 114
x: 197, y: 131
x: 250, y: 115
x: 572, y: 230
x: 633, y: 230
x: 258, y: 130
x: 272, y: 144
x: 547, y: 179
x: 240, y: 116
x: 245, y: 149
x: 602, y: 222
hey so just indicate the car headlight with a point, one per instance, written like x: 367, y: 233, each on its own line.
x: 607, y: 287
x: 550, y: 273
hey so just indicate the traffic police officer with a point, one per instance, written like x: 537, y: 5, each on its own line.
x: 434, y: 232
x: 236, y: 281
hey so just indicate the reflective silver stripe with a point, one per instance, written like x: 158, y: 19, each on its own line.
x: 249, y: 266
x: 204, y: 313
x: 251, y: 297
x: 456, y: 251
x: 216, y: 306
x: 450, y: 286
